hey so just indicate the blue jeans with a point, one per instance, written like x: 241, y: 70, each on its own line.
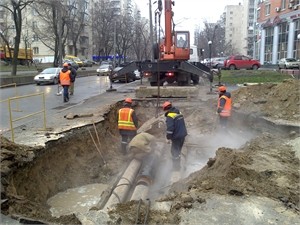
x: 66, y: 93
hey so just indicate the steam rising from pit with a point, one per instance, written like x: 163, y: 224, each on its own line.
x: 197, y: 150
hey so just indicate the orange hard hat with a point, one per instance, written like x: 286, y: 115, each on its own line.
x: 166, y: 105
x: 128, y: 100
x: 65, y: 65
x: 222, y: 88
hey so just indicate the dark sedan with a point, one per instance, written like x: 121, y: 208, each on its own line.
x: 124, y: 77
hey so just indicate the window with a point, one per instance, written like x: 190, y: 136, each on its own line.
x: 34, y: 11
x: 283, y: 4
x: 283, y: 40
x: 35, y: 50
x: 35, y: 38
x: 238, y: 57
x: 182, y: 41
x: 269, y: 44
x: 267, y: 9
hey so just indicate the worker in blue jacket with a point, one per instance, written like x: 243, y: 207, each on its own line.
x: 176, y: 131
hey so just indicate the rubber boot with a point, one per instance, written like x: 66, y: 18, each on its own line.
x: 124, y: 148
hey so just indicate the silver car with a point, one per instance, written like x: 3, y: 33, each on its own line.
x: 47, y: 76
x: 104, y: 69
x: 288, y: 63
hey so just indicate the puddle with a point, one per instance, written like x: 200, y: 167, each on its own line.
x: 76, y: 200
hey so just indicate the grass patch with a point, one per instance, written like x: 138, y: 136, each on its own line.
x: 250, y: 76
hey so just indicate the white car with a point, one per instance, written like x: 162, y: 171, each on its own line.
x: 104, y: 69
x: 288, y: 63
x: 48, y: 76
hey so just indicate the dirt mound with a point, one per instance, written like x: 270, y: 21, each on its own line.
x: 278, y: 101
x: 254, y: 169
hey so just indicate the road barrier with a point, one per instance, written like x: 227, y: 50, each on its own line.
x: 11, y: 119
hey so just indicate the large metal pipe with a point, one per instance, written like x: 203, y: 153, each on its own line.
x: 124, y: 185
x: 145, y: 178
x: 140, y: 192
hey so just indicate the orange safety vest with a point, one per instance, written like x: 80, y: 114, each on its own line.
x: 125, y: 121
x: 226, y: 111
x: 64, y: 77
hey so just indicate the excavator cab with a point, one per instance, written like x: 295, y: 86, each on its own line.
x: 182, y: 45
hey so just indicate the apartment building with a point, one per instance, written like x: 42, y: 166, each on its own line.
x: 73, y: 12
x: 234, y: 34
x: 278, y: 30
x: 248, y: 23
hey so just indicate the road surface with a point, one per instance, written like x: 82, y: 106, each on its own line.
x: 85, y: 87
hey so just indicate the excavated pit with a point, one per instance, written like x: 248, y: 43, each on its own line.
x: 74, y: 161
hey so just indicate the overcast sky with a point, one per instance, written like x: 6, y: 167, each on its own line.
x: 188, y: 13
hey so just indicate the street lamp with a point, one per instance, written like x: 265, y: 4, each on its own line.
x: 211, y: 75
x: 209, y: 46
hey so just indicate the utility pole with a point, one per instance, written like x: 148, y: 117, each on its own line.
x: 60, y: 28
x: 254, y: 29
x: 114, y: 61
x: 115, y: 40
x: 151, y: 29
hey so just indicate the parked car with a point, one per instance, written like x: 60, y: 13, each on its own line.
x: 73, y: 64
x: 47, y: 76
x: 104, y: 69
x: 241, y: 62
x: 288, y: 63
x: 87, y: 63
x: 128, y: 77
x: 74, y: 59
x: 218, y: 62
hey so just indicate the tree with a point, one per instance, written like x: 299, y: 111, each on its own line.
x: 76, y: 20
x: 214, y: 32
x: 15, y: 7
x: 141, y: 40
x: 52, y: 30
x: 103, y: 22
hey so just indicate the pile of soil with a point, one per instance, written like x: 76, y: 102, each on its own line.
x: 278, y: 101
x: 265, y: 166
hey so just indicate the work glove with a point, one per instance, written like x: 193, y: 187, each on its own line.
x: 169, y: 136
x: 219, y: 110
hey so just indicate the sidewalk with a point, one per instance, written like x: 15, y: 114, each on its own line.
x: 57, y: 124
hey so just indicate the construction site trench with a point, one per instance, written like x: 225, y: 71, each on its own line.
x: 250, y: 170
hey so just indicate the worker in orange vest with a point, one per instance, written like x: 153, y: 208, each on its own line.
x: 224, y: 106
x: 64, y: 79
x: 127, y: 124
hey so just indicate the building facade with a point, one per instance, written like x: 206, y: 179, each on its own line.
x: 38, y: 34
x: 278, y: 30
x: 234, y: 33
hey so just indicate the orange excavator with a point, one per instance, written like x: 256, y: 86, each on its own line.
x: 171, y: 56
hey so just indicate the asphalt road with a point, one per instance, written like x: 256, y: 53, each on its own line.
x: 85, y: 88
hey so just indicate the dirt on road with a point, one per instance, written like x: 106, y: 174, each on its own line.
x: 247, y: 174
